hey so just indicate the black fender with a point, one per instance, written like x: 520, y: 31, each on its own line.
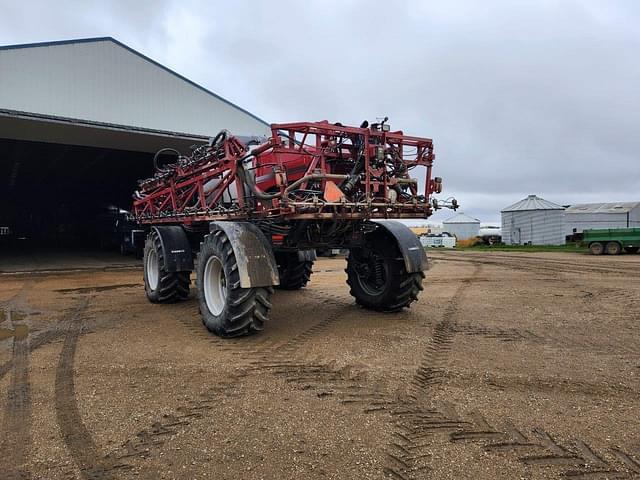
x: 415, y: 258
x: 256, y: 263
x: 178, y: 256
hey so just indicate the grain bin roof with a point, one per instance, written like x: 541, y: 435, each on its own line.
x: 620, y: 207
x: 532, y: 202
x: 461, y: 218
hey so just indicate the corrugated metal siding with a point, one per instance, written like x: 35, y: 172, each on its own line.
x: 540, y: 227
x: 585, y: 221
x: 104, y: 82
x: 462, y: 231
x: 634, y: 217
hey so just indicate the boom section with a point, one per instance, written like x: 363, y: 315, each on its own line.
x: 307, y: 170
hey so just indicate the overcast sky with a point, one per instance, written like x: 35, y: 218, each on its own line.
x: 520, y: 97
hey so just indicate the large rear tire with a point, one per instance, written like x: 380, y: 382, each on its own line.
x: 613, y: 248
x: 162, y: 286
x: 294, y: 273
x: 227, y: 309
x: 378, y: 278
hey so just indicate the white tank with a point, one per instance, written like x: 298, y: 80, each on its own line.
x: 490, y: 232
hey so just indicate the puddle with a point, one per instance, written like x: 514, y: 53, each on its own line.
x: 4, y: 333
x: 20, y: 332
x: 98, y: 289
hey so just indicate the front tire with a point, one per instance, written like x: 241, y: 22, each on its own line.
x: 596, y: 248
x: 227, y: 309
x: 378, y: 278
x: 160, y: 285
x: 631, y: 249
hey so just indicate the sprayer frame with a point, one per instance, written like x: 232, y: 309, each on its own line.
x: 184, y: 200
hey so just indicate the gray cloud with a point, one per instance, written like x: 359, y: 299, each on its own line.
x: 519, y: 97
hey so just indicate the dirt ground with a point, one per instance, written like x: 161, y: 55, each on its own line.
x: 511, y: 366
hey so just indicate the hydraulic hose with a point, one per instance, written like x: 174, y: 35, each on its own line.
x: 247, y: 180
x: 160, y: 152
x: 222, y: 134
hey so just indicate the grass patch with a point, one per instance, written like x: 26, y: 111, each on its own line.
x: 525, y: 248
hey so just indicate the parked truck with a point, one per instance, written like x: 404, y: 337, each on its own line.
x: 612, y: 241
x: 246, y: 214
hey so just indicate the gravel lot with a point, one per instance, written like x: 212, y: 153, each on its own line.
x: 511, y: 365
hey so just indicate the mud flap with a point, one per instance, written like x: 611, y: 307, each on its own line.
x: 256, y: 263
x: 177, y: 250
x: 415, y: 258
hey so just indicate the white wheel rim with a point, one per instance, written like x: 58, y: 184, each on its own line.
x: 215, y: 285
x: 153, y: 273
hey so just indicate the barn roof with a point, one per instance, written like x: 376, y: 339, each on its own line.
x: 461, y: 218
x: 532, y: 202
x: 99, y: 92
x: 135, y: 52
x: 619, y: 207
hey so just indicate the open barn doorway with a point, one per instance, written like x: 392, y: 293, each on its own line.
x: 68, y: 200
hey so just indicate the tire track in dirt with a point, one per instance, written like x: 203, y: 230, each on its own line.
x: 420, y: 421
x: 256, y: 348
x: 574, y: 459
x: 16, y: 428
x: 151, y: 439
x: 414, y: 410
x: 541, y: 265
x: 269, y: 354
x: 281, y: 359
x: 583, y: 261
x: 39, y: 340
x: 292, y: 363
x: 75, y: 435
x: 496, y: 333
x: 16, y: 424
x: 557, y: 340
x: 17, y: 302
x: 35, y: 343
x: 18, y: 297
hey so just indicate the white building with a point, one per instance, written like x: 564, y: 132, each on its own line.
x: 585, y: 216
x: 462, y: 226
x: 100, y: 84
x: 80, y: 121
x: 534, y: 221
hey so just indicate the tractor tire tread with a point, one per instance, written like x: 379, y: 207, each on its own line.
x: 294, y: 273
x: 247, y: 309
x: 172, y: 286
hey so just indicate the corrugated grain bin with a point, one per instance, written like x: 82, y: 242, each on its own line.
x: 462, y: 226
x: 533, y: 220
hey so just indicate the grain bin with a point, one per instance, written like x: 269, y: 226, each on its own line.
x: 533, y: 220
x: 462, y: 226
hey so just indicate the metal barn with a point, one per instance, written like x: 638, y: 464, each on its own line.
x: 462, y: 226
x: 80, y: 121
x: 584, y: 216
x: 533, y: 220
